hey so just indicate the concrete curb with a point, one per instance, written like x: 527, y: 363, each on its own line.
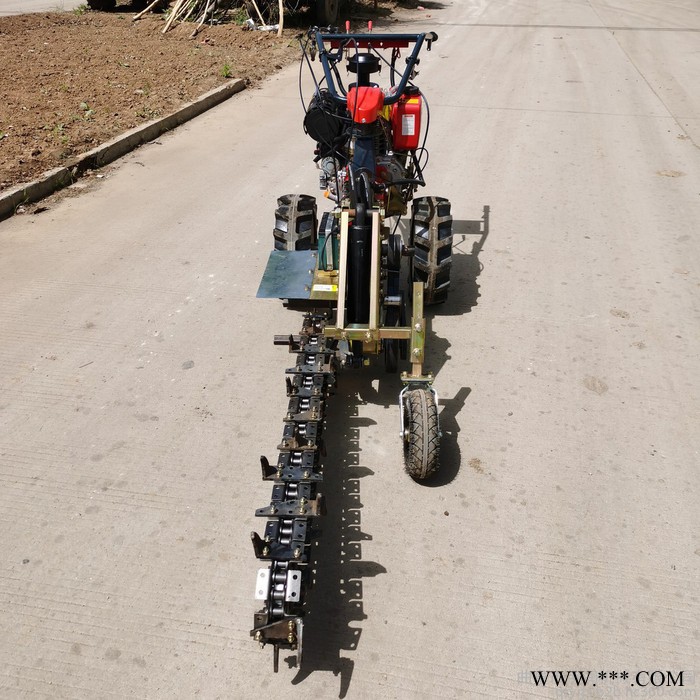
x: 53, y: 180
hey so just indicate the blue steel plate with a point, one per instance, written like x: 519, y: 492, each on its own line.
x: 288, y: 275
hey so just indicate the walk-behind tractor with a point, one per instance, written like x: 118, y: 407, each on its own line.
x: 363, y: 285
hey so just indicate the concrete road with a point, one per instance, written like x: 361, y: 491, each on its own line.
x: 19, y: 7
x: 140, y: 385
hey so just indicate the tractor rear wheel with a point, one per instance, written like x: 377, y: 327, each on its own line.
x: 431, y: 237
x: 421, y: 433
x: 295, y: 222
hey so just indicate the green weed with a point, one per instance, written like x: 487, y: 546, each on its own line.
x: 87, y: 111
x: 239, y: 16
x: 147, y: 113
x: 226, y: 71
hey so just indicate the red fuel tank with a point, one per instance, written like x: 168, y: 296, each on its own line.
x: 405, y: 122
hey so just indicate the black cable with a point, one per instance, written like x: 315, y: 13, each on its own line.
x: 427, y: 123
x: 301, y: 65
x: 393, y: 69
x: 398, y: 221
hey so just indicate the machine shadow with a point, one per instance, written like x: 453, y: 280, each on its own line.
x: 335, y: 611
x: 331, y: 626
x: 466, y: 266
x: 464, y: 289
x: 463, y: 297
x: 450, y: 454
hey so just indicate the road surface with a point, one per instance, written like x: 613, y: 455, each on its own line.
x: 140, y: 385
x: 19, y: 7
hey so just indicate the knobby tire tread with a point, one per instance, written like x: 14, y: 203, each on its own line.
x: 431, y: 235
x: 295, y: 222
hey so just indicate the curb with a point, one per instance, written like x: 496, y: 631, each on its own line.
x: 53, y: 180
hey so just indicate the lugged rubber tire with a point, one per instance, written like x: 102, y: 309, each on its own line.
x: 431, y: 238
x: 327, y: 12
x: 421, y: 447
x: 102, y: 5
x: 295, y: 222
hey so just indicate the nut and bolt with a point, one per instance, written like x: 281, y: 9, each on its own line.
x: 418, y: 327
x: 290, y: 638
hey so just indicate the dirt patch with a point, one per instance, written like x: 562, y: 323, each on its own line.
x: 70, y: 82
x: 73, y: 80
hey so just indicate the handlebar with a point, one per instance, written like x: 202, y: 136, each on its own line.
x: 340, y: 42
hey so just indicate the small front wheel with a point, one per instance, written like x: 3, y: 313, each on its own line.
x: 421, y: 433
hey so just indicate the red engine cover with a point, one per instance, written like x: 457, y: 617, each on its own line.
x: 405, y: 123
x: 365, y: 104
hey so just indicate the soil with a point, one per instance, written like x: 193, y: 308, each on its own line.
x: 72, y: 80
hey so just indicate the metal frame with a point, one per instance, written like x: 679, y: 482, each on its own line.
x: 372, y: 333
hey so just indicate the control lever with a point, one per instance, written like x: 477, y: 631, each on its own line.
x: 430, y: 37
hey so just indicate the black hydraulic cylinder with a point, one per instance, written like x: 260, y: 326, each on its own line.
x: 359, y: 267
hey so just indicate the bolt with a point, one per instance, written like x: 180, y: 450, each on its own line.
x: 273, y: 510
x: 290, y: 638
x: 258, y: 636
x: 368, y: 336
x: 416, y: 352
x: 418, y: 327
x: 307, y: 473
x: 290, y: 625
x: 266, y: 551
x: 297, y: 553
